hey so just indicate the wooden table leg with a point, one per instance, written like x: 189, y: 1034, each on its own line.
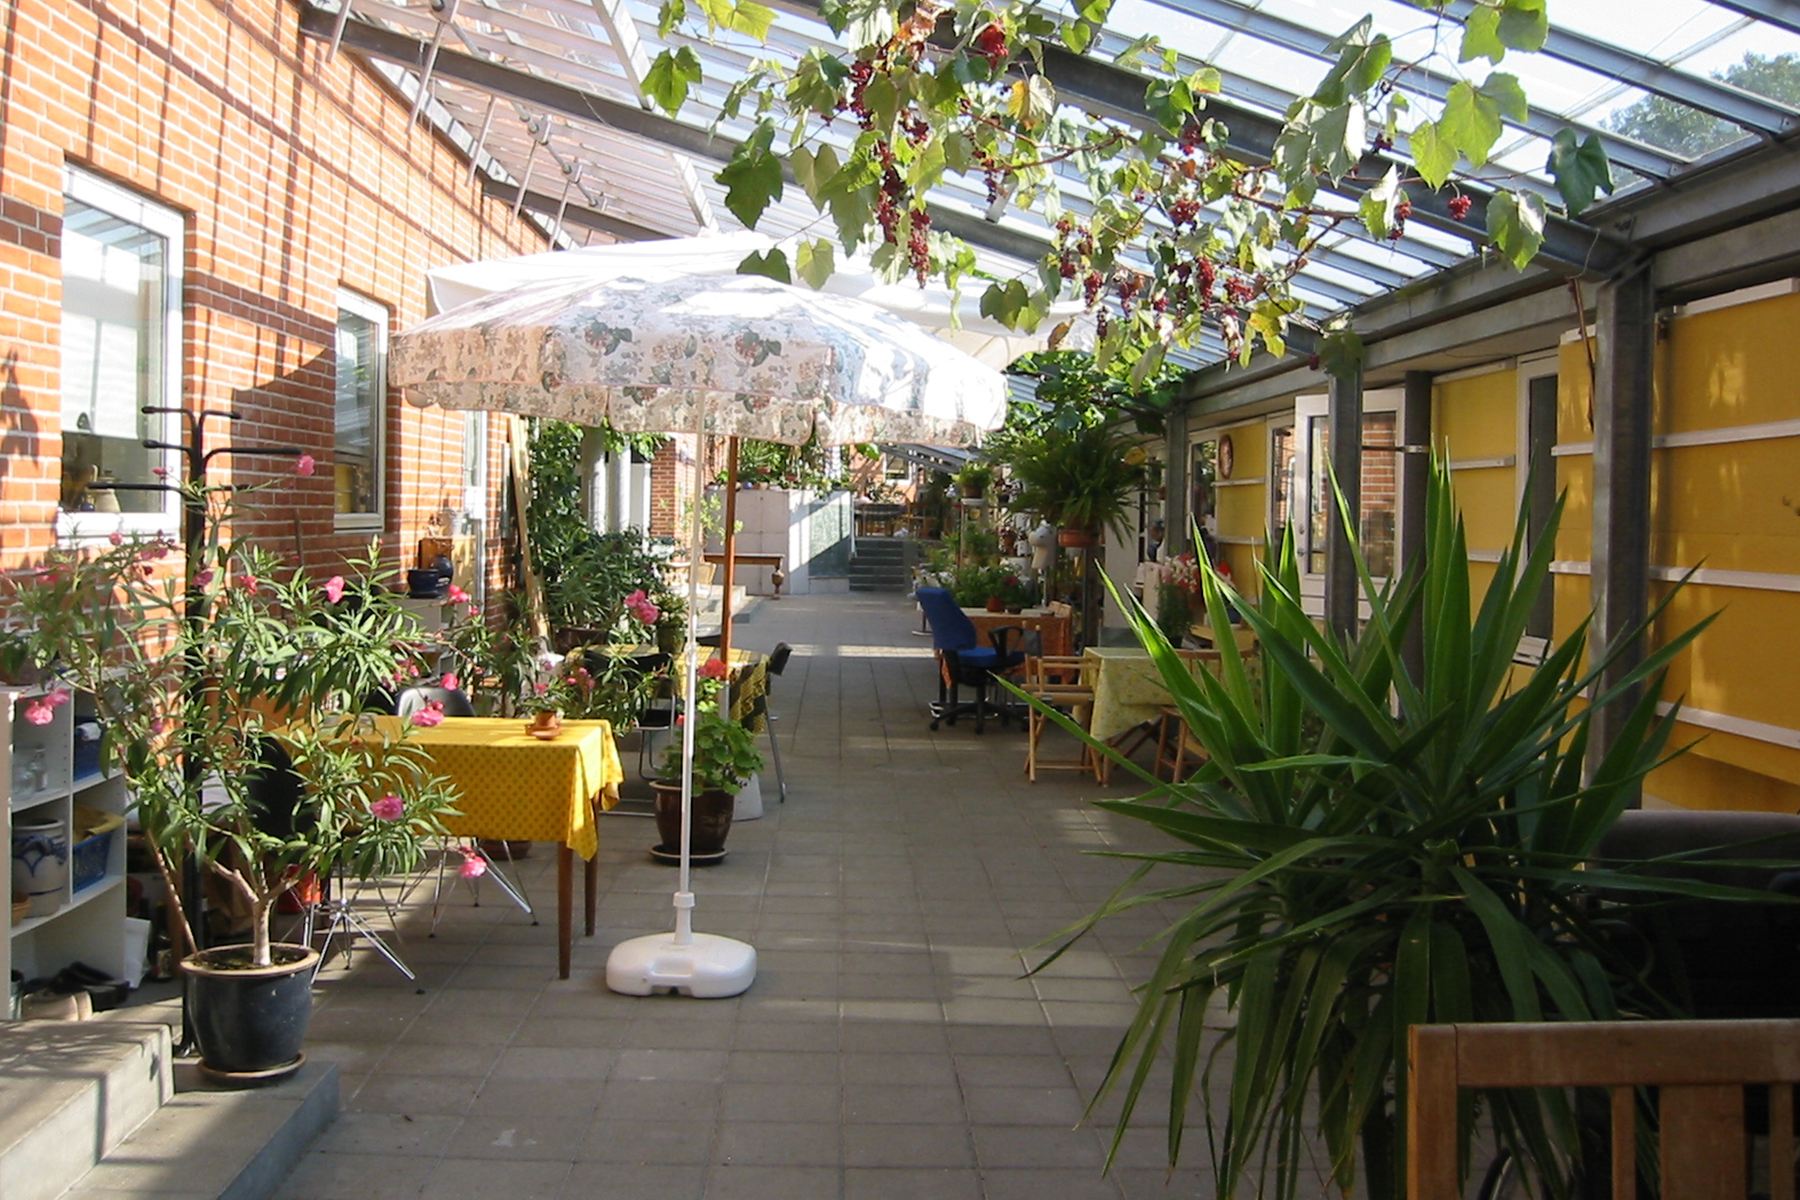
x: 565, y: 904
x: 593, y: 887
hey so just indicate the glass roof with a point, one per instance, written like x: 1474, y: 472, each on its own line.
x: 1663, y: 82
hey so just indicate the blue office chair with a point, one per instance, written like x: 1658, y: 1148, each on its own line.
x: 966, y: 662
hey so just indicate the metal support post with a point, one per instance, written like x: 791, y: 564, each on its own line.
x: 1345, y: 420
x: 1624, y: 390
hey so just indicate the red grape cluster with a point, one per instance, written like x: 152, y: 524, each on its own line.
x: 1184, y: 211
x: 991, y: 44
x: 1459, y: 207
x: 1402, y: 211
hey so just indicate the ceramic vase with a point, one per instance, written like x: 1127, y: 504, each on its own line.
x: 41, y: 862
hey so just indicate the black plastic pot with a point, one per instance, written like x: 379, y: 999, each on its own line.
x: 712, y: 818
x: 250, y: 1021
x: 425, y: 584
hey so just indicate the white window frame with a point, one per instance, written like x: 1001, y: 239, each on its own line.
x: 377, y: 314
x: 1312, y: 585
x: 81, y: 528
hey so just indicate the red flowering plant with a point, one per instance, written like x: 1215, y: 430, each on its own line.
x: 196, y: 680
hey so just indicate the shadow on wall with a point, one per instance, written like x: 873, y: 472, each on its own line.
x: 21, y: 433
x: 294, y: 410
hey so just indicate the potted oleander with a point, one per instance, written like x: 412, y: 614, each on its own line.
x: 725, y: 757
x: 231, y: 700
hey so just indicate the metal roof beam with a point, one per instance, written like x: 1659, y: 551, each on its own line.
x: 1782, y: 14
x: 547, y: 94
x: 1753, y: 112
x: 1646, y: 160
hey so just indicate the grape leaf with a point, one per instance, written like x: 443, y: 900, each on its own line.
x: 1433, y: 154
x: 752, y: 178
x: 774, y: 264
x: 1524, y: 24
x: 1481, y: 36
x: 1471, y: 122
x: 1580, y: 169
x: 1516, y: 225
x: 670, y: 76
x: 815, y: 261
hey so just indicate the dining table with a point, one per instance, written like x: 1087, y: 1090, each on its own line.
x: 1129, y: 692
x: 517, y: 787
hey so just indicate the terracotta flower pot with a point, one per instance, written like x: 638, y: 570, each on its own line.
x: 1074, y: 538
x: 996, y: 604
x: 546, y: 724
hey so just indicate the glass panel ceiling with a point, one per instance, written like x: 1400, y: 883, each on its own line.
x: 1268, y: 51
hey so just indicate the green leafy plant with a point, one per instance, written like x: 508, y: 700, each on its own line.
x: 725, y: 754
x: 974, y: 479
x: 1077, y: 478
x: 1186, y: 227
x: 193, y: 685
x: 972, y: 587
x: 1367, y: 848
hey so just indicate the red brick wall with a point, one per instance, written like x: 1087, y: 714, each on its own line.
x: 297, y: 177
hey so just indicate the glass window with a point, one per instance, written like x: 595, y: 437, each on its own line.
x: 361, y: 390
x: 121, y: 325
x: 1281, y: 478
x: 1203, y: 459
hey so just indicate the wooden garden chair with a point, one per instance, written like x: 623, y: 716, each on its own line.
x: 1700, y: 1069
x: 1059, y: 681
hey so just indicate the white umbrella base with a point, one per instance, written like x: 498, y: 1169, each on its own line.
x: 708, y: 967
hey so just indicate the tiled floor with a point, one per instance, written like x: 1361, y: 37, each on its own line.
x: 889, y: 1048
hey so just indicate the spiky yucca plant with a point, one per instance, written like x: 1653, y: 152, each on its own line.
x: 1367, y: 849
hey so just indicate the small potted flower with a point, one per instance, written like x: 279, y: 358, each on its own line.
x: 725, y: 757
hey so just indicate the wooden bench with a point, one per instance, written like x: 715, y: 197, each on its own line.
x: 1699, y: 1067
x: 771, y: 561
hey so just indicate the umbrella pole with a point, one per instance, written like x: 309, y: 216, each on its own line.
x: 731, y: 486
x: 703, y: 965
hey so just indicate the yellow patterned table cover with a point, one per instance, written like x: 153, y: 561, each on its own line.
x: 749, y: 682
x: 517, y: 787
x: 1128, y: 689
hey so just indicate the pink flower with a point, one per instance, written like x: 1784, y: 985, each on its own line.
x: 641, y: 607
x: 159, y: 726
x: 203, y: 579
x: 247, y: 582
x: 334, y: 588
x: 160, y: 472
x: 474, y: 610
x: 450, y: 680
x: 456, y: 595
x: 58, y: 698
x: 38, y: 712
x: 712, y: 668
x: 388, y: 808
x: 473, y: 866
x: 431, y: 714
x: 304, y: 465
x: 542, y: 689
x: 155, y: 550
x: 116, y: 538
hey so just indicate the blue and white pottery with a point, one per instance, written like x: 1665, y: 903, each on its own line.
x: 41, y: 863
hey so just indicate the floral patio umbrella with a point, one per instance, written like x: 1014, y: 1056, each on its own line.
x: 740, y: 356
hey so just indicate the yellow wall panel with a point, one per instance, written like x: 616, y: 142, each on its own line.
x: 1731, y: 366
x: 1699, y: 780
x: 1477, y: 417
x: 1489, y: 506
x: 1729, y: 506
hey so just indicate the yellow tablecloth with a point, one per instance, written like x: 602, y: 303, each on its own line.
x: 517, y: 787
x: 1128, y: 689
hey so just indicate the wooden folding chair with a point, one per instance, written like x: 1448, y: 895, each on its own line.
x: 1699, y: 1068
x: 1177, y: 749
x: 1059, y: 681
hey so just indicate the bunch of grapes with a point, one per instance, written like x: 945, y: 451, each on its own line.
x: 990, y: 43
x: 918, y: 246
x: 1183, y: 211
x: 1459, y: 206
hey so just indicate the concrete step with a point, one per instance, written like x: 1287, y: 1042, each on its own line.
x: 211, y: 1143
x: 71, y: 1093
x: 871, y: 550
x: 857, y: 585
